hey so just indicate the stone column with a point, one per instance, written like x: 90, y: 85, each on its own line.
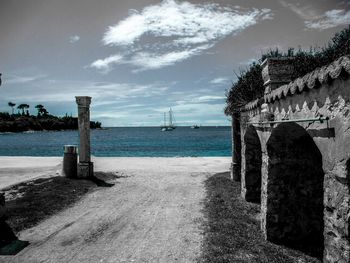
x: 236, y: 148
x: 85, y: 166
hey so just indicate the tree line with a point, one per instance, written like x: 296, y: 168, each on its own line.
x: 23, y: 109
x: 23, y: 121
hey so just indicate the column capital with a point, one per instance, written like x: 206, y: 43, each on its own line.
x: 83, y: 101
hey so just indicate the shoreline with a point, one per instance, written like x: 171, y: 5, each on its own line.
x: 18, y: 169
x: 36, y: 131
x: 103, y: 129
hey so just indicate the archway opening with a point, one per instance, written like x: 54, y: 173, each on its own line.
x: 294, y: 207
x: 253, y: 161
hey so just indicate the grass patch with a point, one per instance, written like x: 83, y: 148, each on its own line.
x: 31, y: 202
x: 232, y: 228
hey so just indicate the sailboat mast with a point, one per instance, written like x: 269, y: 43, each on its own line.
x: 164, y: 119
x: 170, y: 118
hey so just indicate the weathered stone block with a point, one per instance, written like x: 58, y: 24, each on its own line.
x: 85, y: 170
x: 276, y: 72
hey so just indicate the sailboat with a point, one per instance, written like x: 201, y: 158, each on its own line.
x: 170, y: 126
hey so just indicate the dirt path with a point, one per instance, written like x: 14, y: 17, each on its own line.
x: 151, y: 215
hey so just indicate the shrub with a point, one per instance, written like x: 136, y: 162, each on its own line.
x: 249, y: 85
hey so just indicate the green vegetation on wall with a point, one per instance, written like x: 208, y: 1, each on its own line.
x: 249, y: 85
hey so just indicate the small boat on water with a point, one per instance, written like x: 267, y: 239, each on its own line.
x: 194, y: 126
x: 168, y: 126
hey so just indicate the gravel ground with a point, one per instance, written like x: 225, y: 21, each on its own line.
x: 152, y: 214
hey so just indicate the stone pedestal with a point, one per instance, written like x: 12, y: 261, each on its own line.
x: 85, y: 166
x: 85, y: 170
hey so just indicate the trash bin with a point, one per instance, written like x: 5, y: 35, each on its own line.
x: 70, y: 160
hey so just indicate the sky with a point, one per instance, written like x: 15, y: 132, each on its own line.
x: 138, y: 58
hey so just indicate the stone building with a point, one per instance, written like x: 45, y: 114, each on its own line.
x: 295, y: 157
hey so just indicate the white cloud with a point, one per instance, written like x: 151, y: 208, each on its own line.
x: 126, y: 32
x: 315, y: 19
x: 190, y: 23
x: 175, y: 31
x: 65, y: 91
x: 145, y: 61
x: 208, y: 98
x: 197, y: 99
x: 121, y: 104
x: 15, y: 79
x: 305, y: 12
x: 219, y: 81
x: 197, y: 109
x: 105, y: 65
x: 74, y: 39
x: 332, y: 18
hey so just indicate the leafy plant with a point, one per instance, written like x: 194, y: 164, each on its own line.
x: 23, y: 107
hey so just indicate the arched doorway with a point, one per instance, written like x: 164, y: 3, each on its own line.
x: 253, y: 161
x: 294, y: 205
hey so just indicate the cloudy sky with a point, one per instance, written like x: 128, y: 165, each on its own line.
x: 137, y: 58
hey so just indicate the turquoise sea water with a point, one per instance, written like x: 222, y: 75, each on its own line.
x: 130, y: 141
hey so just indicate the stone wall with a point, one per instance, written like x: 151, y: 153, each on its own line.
x: 251, y: 167
x: 236, y: 148
x: 294, y: 214
x: 306, y: 161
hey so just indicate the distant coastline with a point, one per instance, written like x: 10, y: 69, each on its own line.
x: 22, y: 123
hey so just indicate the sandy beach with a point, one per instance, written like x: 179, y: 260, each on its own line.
x: 152, y: 214
x: 14, y: 170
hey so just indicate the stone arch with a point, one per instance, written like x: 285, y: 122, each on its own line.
x: 294, y: 196
x: 252, y: 167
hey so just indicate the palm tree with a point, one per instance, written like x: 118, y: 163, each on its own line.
x: 22, y: 107
x: 12, y: 105
x: 39, y: 107
x: 43, y: 112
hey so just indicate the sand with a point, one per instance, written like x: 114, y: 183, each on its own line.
x: 153, y: 214
x: 14, y: 170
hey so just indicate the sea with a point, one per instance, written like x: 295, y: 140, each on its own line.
x: 124, y: 142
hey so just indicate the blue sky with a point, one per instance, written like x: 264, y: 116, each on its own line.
x: 138, y: 58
